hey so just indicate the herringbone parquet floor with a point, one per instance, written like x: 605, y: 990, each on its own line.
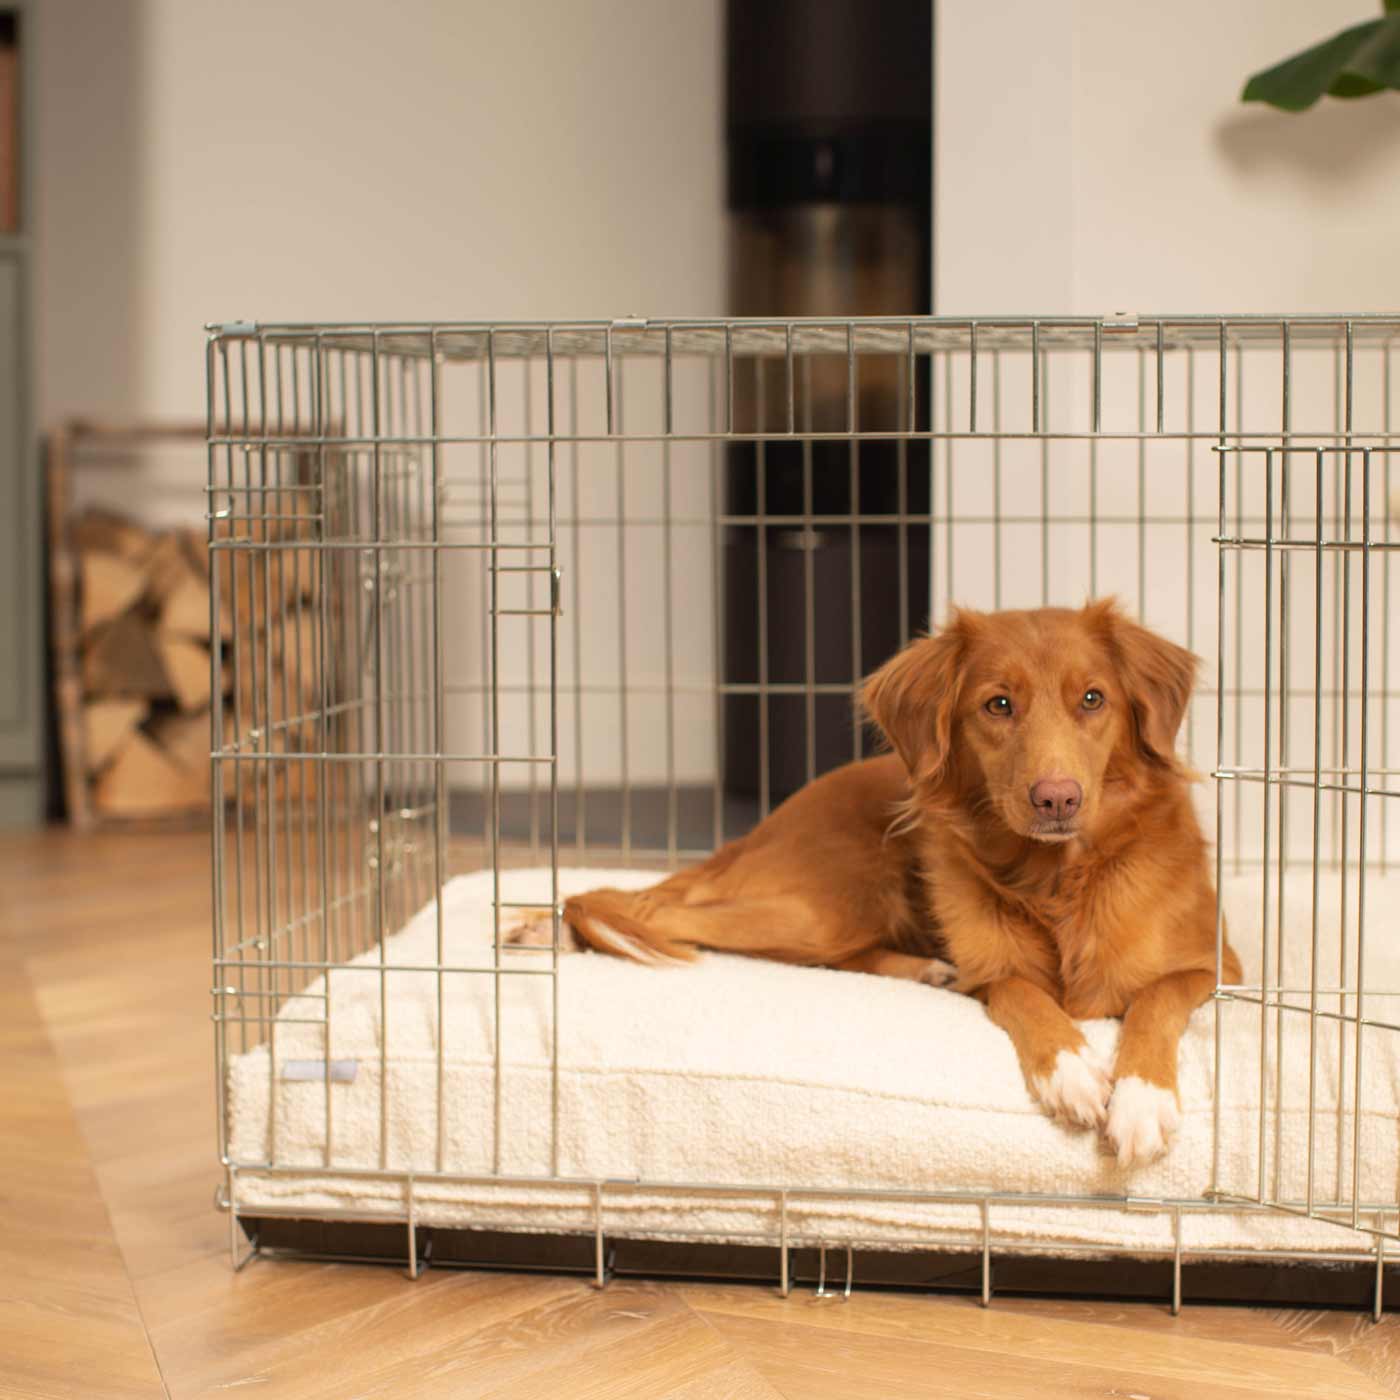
x: 114, y: 1277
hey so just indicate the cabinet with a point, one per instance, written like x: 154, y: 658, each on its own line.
x: 21, y: 561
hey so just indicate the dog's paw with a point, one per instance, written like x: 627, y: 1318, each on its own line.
x: 536, y: 930
x: 1141, y: 1119
x: 1077, y: 1089
x: 937, y: 973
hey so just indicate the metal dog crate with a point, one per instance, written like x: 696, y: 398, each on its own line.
x: 541, y: 593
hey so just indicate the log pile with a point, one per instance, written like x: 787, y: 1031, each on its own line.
x: 145, y: 635
x: 133, y: 648
x: 145, y: 666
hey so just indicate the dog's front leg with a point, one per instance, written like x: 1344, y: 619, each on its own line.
x: 1144, y: 1111
x: 1068, y: 1077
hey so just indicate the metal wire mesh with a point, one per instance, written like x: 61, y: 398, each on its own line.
x: 604, y: 592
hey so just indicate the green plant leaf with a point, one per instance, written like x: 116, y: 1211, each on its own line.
x: 1352, y: 85
x: 1377, y: 59
x: 1359, y: 61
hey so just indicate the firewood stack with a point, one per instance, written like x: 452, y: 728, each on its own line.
x: 144, y: 630
x: 145, y: 637
x: 134, y: 652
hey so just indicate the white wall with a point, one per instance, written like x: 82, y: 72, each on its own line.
x: 349, y: 159
x: 1093, y: 155
x: 201, y: 160
x: 339, y: 159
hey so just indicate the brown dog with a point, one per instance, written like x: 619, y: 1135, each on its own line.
x: 1033, y: 828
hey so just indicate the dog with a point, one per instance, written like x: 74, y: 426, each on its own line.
x: 1030, y: 841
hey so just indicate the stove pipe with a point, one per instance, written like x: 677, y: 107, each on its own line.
x: 829, y: 145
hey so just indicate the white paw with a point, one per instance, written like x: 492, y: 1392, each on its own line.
x: 1141, y: 1117
x: 1077, y: 1089
x: 536, y: 930
x: 937, y: 973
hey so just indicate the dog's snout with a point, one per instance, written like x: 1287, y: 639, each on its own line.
x: 1056, y: 798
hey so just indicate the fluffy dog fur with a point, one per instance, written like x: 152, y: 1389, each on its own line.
x: 1030, y: 841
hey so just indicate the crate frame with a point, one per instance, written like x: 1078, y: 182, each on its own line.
x: 954, y: 368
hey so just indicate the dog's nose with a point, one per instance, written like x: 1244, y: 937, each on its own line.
x: 1057, y: 797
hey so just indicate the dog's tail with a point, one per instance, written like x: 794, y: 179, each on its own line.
x: 672, y: 921
x: 648, y: 926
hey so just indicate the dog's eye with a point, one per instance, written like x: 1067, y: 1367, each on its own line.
x: 999, y: 705
x: 1093, y: 699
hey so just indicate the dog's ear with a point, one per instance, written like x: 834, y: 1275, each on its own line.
x: 912, y: 697
x: 1158, y: 676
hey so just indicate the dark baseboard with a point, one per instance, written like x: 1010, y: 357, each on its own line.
x: 1207, y: 1281
x: 646, y: 815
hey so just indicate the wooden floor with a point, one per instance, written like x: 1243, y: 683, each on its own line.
x: 114, y: 1274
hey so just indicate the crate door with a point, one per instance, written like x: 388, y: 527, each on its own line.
x: 1308, y: 1042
